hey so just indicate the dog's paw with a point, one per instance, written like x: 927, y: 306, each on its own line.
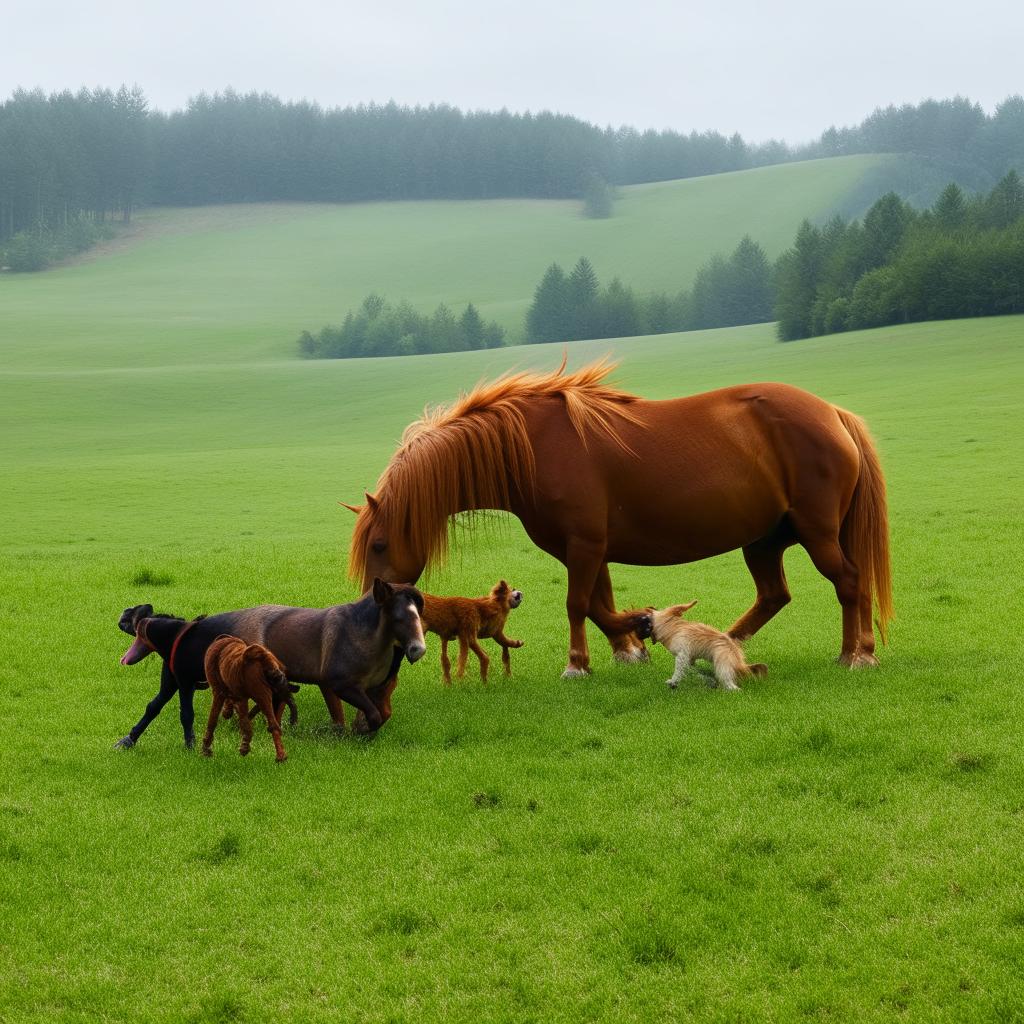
x: 672, y: 684
x: 516, y: 644
x: 124, y: 743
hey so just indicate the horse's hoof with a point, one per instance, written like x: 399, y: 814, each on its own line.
x: 124, y: 743
x: 207, y: 752
x: 632, y: 655
x: 573, y: 672
x: 282, y: 757
x: 859, y: 659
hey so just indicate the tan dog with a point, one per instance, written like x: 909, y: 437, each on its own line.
x: 469, y: 619
x: 240, y: 672
x: 689, y: 641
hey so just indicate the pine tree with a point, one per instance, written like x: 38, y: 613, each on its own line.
x: 582, y: 292
x: 548, y: 317
x: 950, y: 208
x: 471, y: 328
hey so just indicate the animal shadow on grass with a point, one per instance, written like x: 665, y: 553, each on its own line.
x: 404, y: 921
x: 221, y: 1009
x: 148, y: 578
x: 647, y: 939
x: 225, y: 849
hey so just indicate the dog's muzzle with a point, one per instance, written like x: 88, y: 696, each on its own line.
x: 644, y: 626
x: 515, y: 599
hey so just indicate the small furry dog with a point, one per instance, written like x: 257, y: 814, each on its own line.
x: 470, y: 619
x: 239, y: 672
x: 689, y: 641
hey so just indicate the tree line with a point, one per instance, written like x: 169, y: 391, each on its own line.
x: 380, y: 328
x: 726, y: 292
x: 962, y: 257
x: 96, y: 154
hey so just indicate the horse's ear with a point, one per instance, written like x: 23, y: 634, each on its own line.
x: 371, y: 502
x: 352, y: 508
x: 381, y: 590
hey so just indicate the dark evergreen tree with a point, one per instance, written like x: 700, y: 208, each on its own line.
x: 548, y: 318
x: 471, y: 328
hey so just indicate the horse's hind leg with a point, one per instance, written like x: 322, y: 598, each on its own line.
x: 829, y: 559
x: 764, y: 560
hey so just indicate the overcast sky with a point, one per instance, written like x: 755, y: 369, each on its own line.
x: 785, y: 70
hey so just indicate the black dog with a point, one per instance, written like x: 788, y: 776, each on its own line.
x: 351, y: 651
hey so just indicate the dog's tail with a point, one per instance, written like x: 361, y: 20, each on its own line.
x: 865, y: 530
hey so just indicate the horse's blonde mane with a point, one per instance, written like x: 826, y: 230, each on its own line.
x: 472, y: 454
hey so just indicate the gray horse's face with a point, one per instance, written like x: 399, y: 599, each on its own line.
x: 402, y: 605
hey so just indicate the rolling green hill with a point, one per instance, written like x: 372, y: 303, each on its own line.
x: 823, y: 845
x: 237, y: 283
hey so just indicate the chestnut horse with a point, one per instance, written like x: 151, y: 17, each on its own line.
x: 597, y: 475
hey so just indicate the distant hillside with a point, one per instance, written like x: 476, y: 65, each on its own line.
x: 273, y: 270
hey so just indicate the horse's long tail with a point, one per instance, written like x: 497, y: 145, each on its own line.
x: 866, y: 526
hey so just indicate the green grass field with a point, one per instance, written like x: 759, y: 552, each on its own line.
x: 823, y: 845
x: 234, y: 283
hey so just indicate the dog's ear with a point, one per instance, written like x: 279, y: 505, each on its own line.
x: 679, y: 609
x: 294, y: 687
x: 501, y: 589
x: 381, y: 590
x: 140, y: 612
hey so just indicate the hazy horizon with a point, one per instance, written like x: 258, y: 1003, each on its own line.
x: 786, y: 74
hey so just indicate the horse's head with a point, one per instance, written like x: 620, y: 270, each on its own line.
x: 402, y: 605
x: 375, y: 553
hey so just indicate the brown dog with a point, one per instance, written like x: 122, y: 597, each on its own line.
x: 689, y: 641
x: 469, y: 619
x: 240, y: 672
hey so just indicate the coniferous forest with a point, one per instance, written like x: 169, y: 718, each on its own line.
x: 97, y: 154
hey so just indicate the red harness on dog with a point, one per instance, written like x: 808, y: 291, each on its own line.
x: 177, y: 640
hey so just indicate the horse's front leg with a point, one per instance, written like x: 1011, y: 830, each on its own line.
x: 334, y: 708
x: 626, y: 645
x: 368, y: 719
x: 381, y: 694
x: 583, y: 559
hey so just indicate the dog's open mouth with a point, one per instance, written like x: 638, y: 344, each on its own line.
x: 138, y: 650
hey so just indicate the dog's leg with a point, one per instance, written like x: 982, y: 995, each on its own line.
x: 168, y: 688
x: 682, y: 667
x: 266, y: 705
x: 725, y: 673
x: 481, y: 657
x: 460, y: 668
x: 446, y: 665
x: 216, y: 705
x: 187, y: 713
x: 506, y: 646
x: 244, y: 725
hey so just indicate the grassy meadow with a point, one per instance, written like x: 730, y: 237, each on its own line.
x: 824, y: 845
x: 241, y: 282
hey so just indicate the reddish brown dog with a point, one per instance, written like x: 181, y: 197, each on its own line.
x: 469, y: 619
x: 239, y: 672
